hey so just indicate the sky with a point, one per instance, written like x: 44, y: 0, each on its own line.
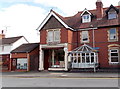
x: 22, y: 17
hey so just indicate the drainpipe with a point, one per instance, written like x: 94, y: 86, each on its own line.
x: 10, y: 63
x: 93, y: 38
x: 93, y: 34
x: 77, y: 38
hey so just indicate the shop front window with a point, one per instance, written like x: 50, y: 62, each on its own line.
x: 22, y: 63
x: 56, y: 58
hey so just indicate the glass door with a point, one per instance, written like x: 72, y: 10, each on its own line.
x: 56, y: 58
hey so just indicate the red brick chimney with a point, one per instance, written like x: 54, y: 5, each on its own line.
x: 99, y: 9
x: 2, y: 35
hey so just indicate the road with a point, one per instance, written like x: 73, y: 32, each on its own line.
x: 58, y: 82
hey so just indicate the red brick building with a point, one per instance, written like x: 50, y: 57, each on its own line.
x: 25, y: 57
x: 6, y: 46
x: 89, y: 38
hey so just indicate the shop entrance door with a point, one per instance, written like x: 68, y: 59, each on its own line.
x: 46, y: 59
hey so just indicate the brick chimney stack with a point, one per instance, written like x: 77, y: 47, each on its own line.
x: 99, y: 9
x: 2, y: 35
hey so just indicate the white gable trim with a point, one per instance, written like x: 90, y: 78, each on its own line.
x: 48, y: 17
x: 85, y: 10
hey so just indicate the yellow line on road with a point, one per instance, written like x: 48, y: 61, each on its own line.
x: 63, y: 77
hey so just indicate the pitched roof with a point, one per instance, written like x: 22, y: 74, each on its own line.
x: 117, y: 10
x: 24, y: 48
x: 57, y: 16
x: 75, y: 22
x: 10, y: 40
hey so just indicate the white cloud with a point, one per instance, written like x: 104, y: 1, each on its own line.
x: 71, y: 7
x: 23, y: 20
x: 10, y: 1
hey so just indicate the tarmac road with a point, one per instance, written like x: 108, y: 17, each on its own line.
x: 58, y: 82
x: 59, y: 79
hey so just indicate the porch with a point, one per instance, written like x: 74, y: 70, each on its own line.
x: 84, y: 57
x: 53, y: 57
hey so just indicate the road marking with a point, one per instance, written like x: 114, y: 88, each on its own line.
x: 56, y: 73
x: 63, y: 77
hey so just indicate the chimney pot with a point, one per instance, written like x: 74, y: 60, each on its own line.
x: 2, y: 35
x: 99, y: 1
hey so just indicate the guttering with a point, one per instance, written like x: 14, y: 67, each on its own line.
x: 87, y: 29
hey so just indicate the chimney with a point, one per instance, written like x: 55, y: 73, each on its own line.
x: 99, y: 9
x: 2, y: 35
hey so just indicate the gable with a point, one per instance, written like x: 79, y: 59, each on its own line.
x: 59, y: 18
x: 112, y: 8
x: 86, y: 12
x: 52, y: 23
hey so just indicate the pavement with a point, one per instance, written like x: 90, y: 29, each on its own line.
x: 48, y: 74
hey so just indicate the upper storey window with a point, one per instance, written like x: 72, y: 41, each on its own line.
x: 113, y: 34
x: 112, y: 15
x: 84, y: 37
x: 86, y: 18
x: 112, y: 12
x: 53, y: 35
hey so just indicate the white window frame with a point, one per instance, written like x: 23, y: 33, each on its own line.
x: 84, y: 20
x: 49, y: 38
x: 110, y: 13
x: 110, y: 61
x: 110, y: 35
x: 87, y: 34
x: 54, y: 34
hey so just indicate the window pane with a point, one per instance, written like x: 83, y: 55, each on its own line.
x: 114, y: 54
x: 85, y: 36
x: 57, y: 35
x: 114, y: 59
x: 112, y: 15
x: 21, y: 63
x: 50, y: 36
x: 112, y: 33
x: 88, y: 59
x: 86, y: 18
x: 113, y: 50
x: 83, y: 59
x: 79, y: 59
x: 92, y: 59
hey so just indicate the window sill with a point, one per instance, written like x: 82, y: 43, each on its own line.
x: 112, y: 40
x: 53, y: 43
x: 84, y: 42
x: 114, y: 63
x: 112, y: 18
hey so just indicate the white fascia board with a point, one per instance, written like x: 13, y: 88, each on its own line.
x: 85, y: 29
x: 47, y: 18
x: 86, y: 11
